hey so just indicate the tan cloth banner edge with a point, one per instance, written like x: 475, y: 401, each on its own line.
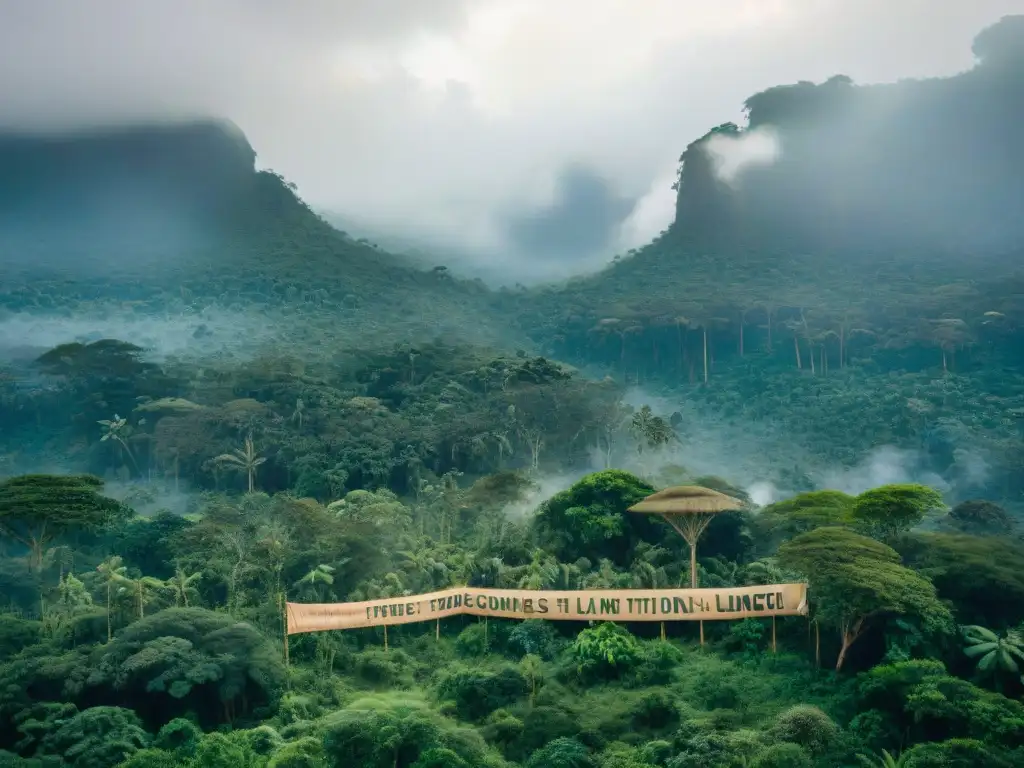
x: 626, y: 605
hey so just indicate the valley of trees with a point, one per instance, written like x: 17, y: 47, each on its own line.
x: 143, y: 620
x: 346, y: 425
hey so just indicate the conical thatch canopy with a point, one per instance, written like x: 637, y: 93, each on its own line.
x: 686, y: 500
x: 689, y: 509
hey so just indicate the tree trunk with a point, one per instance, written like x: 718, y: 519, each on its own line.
x: 796, y: 348
x: 817, y: 645
x: 693, y: 565
x: 850, y: 636
x: 36, y: 547
x: 705, y: 355
x: 847, y: 642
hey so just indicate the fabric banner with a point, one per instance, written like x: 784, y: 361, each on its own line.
x: 578, y: 605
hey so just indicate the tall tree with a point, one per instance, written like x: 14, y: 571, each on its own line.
x: 113, y: 572
x: 244, y: 459
x: 36, y: 509
x: 855, y: 580
x: 892, y: 509
x: 649, y: 432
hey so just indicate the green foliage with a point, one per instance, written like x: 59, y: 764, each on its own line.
x: 807, y: 726
x: 37, y: 509
x: 920, y: 701
x: 983, y: 577
x: 303, y: 753
x: 98, y: 736
x: 476, y: 693
x: 955, y: 753
x: 533, y: 637
x: 892, y: 509
x: 439, y: 757
x: 783, y: 756
x: 217, y: 750
x: 185, y: 659
x: 561, y: 753
x: 395, y: 732
x: 994, y: 656
x: 853, y: 579
x: 607, y: 650
x: 590, y: 519
x: 746, y: 636
x: 179, y: 736
x: 151, y: 758
x: 980, y: 518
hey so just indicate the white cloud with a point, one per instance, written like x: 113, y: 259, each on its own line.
x: 437, y: 119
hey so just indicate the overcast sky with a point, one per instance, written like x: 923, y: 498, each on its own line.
x: 522, y: 129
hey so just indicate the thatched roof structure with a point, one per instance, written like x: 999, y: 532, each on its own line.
x: 686, y: 500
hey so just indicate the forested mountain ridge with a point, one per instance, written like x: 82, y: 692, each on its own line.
x: 875, y: 267
x: 175, y: 218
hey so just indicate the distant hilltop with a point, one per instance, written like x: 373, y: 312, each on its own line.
x: 933, y: 163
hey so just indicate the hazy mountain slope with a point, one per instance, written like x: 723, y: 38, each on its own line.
x: 175, y: 220
x: 892, y: 209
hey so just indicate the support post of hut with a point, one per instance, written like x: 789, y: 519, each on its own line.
x: 689, y: 509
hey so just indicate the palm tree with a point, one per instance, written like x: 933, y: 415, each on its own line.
x: 996, y: 655
x: 244, y: 459
x: 113, y: 572
x: 299, y: 414
x: 646, y: 574
x: 180, y: 586
x: 310, y: 583
x: 117, y: 429
x: 885, y: 760
x: 541, y: 573
x: 649, y: 431
x: 142, y: 584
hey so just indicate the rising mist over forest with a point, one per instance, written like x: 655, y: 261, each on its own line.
x: 216, y: 400
x: 167, y: 236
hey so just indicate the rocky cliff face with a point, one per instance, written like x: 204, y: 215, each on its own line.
x: 195, y: 165
x: 135, y: 195
x: 934, y: 164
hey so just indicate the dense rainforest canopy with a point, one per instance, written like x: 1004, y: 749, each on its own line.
x: 210, y: 412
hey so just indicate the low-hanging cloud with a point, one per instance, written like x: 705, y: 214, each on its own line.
x: 442, y: 122
x: 761, y: 457
x: 733, y: 154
